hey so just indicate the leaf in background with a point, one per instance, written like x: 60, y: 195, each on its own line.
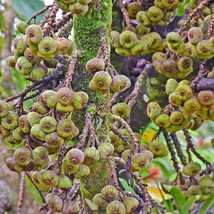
x: 126, y: 186
x: 36, y: 194
x: 169, y: 206
x: 207, y: 204
x: 178, y: 196
x: 26, y: 9
x: 186, y: 207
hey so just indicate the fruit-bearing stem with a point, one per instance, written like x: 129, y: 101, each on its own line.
x: 87, y: 40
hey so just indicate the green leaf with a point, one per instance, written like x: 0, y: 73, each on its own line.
x: 178, y: 196
x: 207, y: 204
x: 169, y: 206
x: 36, y: 194
x: 186, y: 207
x: 91, y: 204
x: 126, y: 186
x: 26, y: 9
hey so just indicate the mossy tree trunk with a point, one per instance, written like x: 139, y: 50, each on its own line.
x: 87, y: 40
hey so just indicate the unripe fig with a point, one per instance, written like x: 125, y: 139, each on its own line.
x: 163, y: 120
x: 185, y: 64
x: 23, y: 65
x: 37, y: 133
x: 40, y: 155
x: 184, y: 92
x: 38, y: 72
x: 133, y: 8
x: 47, y: 179
x: 82, y: 171
x: 10, y: 121
x: 141, y: 160
x: 40, y: 108
x: 128, y: 39
x: 158, y: 148
x: 109, y: 193
x: 48, y: 124
x: 33, y: 118
x: 121, y: 109
x: 191, y: 169
x: 195, y: 35
x: 153, y: 110
x: 64, y: 108
x: 176, y: 117
x: 131, y: 204
x: 34, y: 33
x: 70, y: 207
x: 169, y: 68
x: 170, y: 3
x: 28, y: 54
x: 64, y: 95
x: 68, y: 167
x: 80, y: 99
x: 17, y: 134
x: 49, y: 99
x: 4, y: 132
x: 206, y: 181
x: 205, y: 47
x: 54, y: 202
x: 91, y: 154
x: 22, y: 156
x: 64, y: 182
x: 143, y: 19
x: 20, y: 45
x: 78, y: 8
x: 115, y: 139
x: 105, y: 149
x: 53, y: 139
x: 120, y: 83
x: 174, y: 99
x: 100, y: 201
x: 206, y: 97
x: 155, y: 14
x: 22, y: 26
x: 47, y: 46
x: 65, y: 128
x: 114, y: 35
x: 11, y: 62
x: 95, y: 64
x: 116, y: 207
x: 123, y: 51
x: 139, y: 48
x: 101, y: 80
x: 4, y: 108
x: 75, y: 156
x: 24, y: 125
x: 171, y: 85
x: 174, y: 39
x: 63, y: 45
x: 192, y: 105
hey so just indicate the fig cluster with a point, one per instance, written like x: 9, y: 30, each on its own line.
x: 109, y: 200
x: 190, y: 108
x: 102, y: 81
x: 34, y: 52
x: 76, y: 6
x: 129, y: 43
x: 56, y: 203
x: 172, y: 68
x: 194, y: 46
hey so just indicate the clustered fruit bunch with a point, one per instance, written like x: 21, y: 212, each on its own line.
x: 34, y: 52
x: 60, y: 156
x: 76, y: 6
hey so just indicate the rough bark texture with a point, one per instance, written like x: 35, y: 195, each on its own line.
x: 87, y: 40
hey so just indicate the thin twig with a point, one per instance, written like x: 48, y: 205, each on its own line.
x: 21, y: 193
x: 128, y: 128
